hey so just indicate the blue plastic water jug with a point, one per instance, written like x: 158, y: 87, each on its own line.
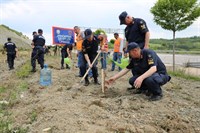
x: 45, y: 76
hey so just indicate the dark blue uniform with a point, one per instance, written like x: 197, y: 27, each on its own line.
x: 38, y: 51
x: 64, y: 54
x: 11, y: 53
x: 136, y: 32
x: 139, y: 66
x: 91, y: 49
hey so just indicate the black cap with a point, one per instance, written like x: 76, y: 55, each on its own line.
x: 122, y: 17
x: 34, y: 32
x: 132, y: 45
x: 87, y: 33
x: 116, y: 34
x: 9, y: 39
x: 40, y: 31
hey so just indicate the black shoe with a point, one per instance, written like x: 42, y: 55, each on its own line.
x: 62, y: 67
x: 67, y: 67
x: 130, y: 88
x: 155, y: 97
x: 139, y: 91
x: 86, y: 83
x: 96, y: 82
x: 148, y: 93
x: 33, y: 70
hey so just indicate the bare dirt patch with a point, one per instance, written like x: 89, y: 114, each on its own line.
x: 65, y: 109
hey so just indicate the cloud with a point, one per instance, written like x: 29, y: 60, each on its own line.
x: 29, y: 15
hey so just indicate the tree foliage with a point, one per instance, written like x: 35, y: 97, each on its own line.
x: 175, y: 15
x: 99, y: 31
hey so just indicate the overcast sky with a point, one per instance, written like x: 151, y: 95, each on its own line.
x: 27, y: 16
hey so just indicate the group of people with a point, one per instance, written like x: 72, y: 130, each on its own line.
x: 149, y: 72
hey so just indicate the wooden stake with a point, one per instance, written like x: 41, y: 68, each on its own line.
x: 103, y: 80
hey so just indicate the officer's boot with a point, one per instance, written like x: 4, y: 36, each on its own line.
x: 33, y: 69
x: 96, y: 82
x: 86, y: 82
x: 62, y: 67
x: 67, y: 66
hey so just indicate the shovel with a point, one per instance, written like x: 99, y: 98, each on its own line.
x: 90, y: 67
x: 78, y: 85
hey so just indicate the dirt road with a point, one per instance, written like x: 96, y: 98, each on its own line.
x: 64, y: 108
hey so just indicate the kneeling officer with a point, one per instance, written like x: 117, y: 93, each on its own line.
x: 149, y: 72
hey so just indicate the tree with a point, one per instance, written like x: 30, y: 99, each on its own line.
x: 99, y: 31
x: 175, y: 15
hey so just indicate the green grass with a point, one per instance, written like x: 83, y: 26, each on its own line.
x: 33, y: 116
x: 23, y: 86
x: 2, y: 89
x: 24, y: 70
x: 182, y: 74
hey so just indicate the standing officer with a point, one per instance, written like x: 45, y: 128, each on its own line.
x: 149, y: 72
x: 136, y: 30
x: 89, y: 49
x: 79, y: 40
x: 38, y: 46
x: 11, y: 50
x: 66, y: 52
x: 117, y: 55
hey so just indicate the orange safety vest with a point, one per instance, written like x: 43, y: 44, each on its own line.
x: 117, y: 44
x: 104, y: 45
x: 79, y: 41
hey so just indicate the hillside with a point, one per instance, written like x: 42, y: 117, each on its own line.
x: 186, y: 44
x: 17, y: 37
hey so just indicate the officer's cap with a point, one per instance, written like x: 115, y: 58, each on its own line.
x: 122, y: 17
x: 131, y: 46
x: 9, y: 39
x: 40, y: 31
x: 88, y: 33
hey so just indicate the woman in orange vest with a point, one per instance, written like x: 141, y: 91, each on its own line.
x: 104, y: 50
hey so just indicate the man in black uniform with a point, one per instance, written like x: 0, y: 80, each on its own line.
x: 136, y: 30
x: 149, y: 72
x: 38, y: 50
x: 89, y: 50
x: 11, y: 50
x: 65, y: 52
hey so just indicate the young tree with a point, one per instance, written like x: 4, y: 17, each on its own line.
x: 175, y: 15
x: 99, y: 31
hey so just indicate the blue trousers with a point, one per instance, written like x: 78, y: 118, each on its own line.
x: 81, y: 62
x: 103, y: 60
x: 116, y: 57
x: 152, y: 83
x: 84, y: 66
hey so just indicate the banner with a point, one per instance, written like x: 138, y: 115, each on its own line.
x: 62, y: 35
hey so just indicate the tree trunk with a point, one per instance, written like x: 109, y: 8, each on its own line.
x: 173, y: 51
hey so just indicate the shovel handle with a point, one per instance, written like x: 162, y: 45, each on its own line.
x: 90, y: 67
